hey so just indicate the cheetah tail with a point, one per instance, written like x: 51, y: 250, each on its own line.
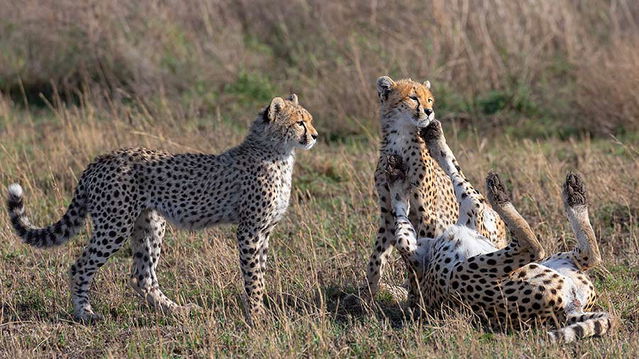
x: 586, y: 325
x: 53, y: 235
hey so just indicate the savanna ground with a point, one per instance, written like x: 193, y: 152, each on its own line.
x: 531, y: 89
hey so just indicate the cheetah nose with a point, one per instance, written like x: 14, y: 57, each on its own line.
x: 428, y: 111
x: 314, y: 136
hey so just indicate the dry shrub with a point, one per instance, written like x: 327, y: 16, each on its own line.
x: 607, y: 87
x: 533, y: 58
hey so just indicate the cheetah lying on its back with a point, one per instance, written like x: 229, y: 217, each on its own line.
x: 507, y: 287
x: 128, y: 193
x: 405, y: 107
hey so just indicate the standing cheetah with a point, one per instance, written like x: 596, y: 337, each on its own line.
x: 128, y: 193
x: 506, y: 287
x: 407, y: 106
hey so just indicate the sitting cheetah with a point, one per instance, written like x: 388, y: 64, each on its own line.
x: 128, y: 193
x: 407, y: 106
x: 506, y: 287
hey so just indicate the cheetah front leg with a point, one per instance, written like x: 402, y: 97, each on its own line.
x: 395, y: 230
x: 253, y: 244
x: 405, y: 235
x: 474, y: 212
x: 385, y: 235
x: 383, y: 248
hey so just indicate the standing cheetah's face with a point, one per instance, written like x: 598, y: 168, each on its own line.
x: 406, y: 101
x: 290, y: 123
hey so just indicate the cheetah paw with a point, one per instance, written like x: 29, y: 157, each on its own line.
x: 184, y: 310
x: 432, y: 132
x: 87, y: 317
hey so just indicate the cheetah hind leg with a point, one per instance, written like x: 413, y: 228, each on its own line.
x: 524, y: 240
x: 146, y: 243
x: 524, y: 247
x: 574, y: 263
x: 586, y: 255
x: 105, y: 240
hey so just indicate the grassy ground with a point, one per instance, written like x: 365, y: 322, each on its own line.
x: 80, y: 80
x: 319, y: 251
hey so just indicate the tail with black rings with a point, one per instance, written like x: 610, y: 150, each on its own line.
x: 590, y: 324
x: 50, y: 236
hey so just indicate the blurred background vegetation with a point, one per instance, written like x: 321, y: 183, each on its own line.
x: 530, y: 68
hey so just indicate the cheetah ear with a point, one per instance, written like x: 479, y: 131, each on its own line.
x: 293, y: 98
x: 427, y: 84
x: 276, y: 106
x: 384, y: 85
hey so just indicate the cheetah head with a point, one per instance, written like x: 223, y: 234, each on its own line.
x: 286, y: 122
x: 407, y: 102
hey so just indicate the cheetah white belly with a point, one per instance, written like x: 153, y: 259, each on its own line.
x: 573, y: 288
x: 464, y: 243
x: 460, y: 243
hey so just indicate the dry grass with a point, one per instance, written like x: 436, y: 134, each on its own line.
x: 319, y: 250
x: 568, y: 64
x: 77, y: 80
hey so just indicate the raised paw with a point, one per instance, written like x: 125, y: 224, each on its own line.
x: 575, y: 190
x: 395, y: 170
x: 496, y: 189
x: 432, y: 132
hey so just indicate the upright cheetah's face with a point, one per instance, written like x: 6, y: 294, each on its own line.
x: 409, y: 102
x: 285, y: 120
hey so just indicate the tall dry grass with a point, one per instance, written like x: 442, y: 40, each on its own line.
x: 318, y: 252
x: 570, y: 63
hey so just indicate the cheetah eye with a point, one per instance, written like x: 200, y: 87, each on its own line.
x: 414, y: 98
x: 301, y: 123
x: 430, y: 100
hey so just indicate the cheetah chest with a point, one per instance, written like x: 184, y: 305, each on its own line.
x: 432, y: 201
x: 282, y: 188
